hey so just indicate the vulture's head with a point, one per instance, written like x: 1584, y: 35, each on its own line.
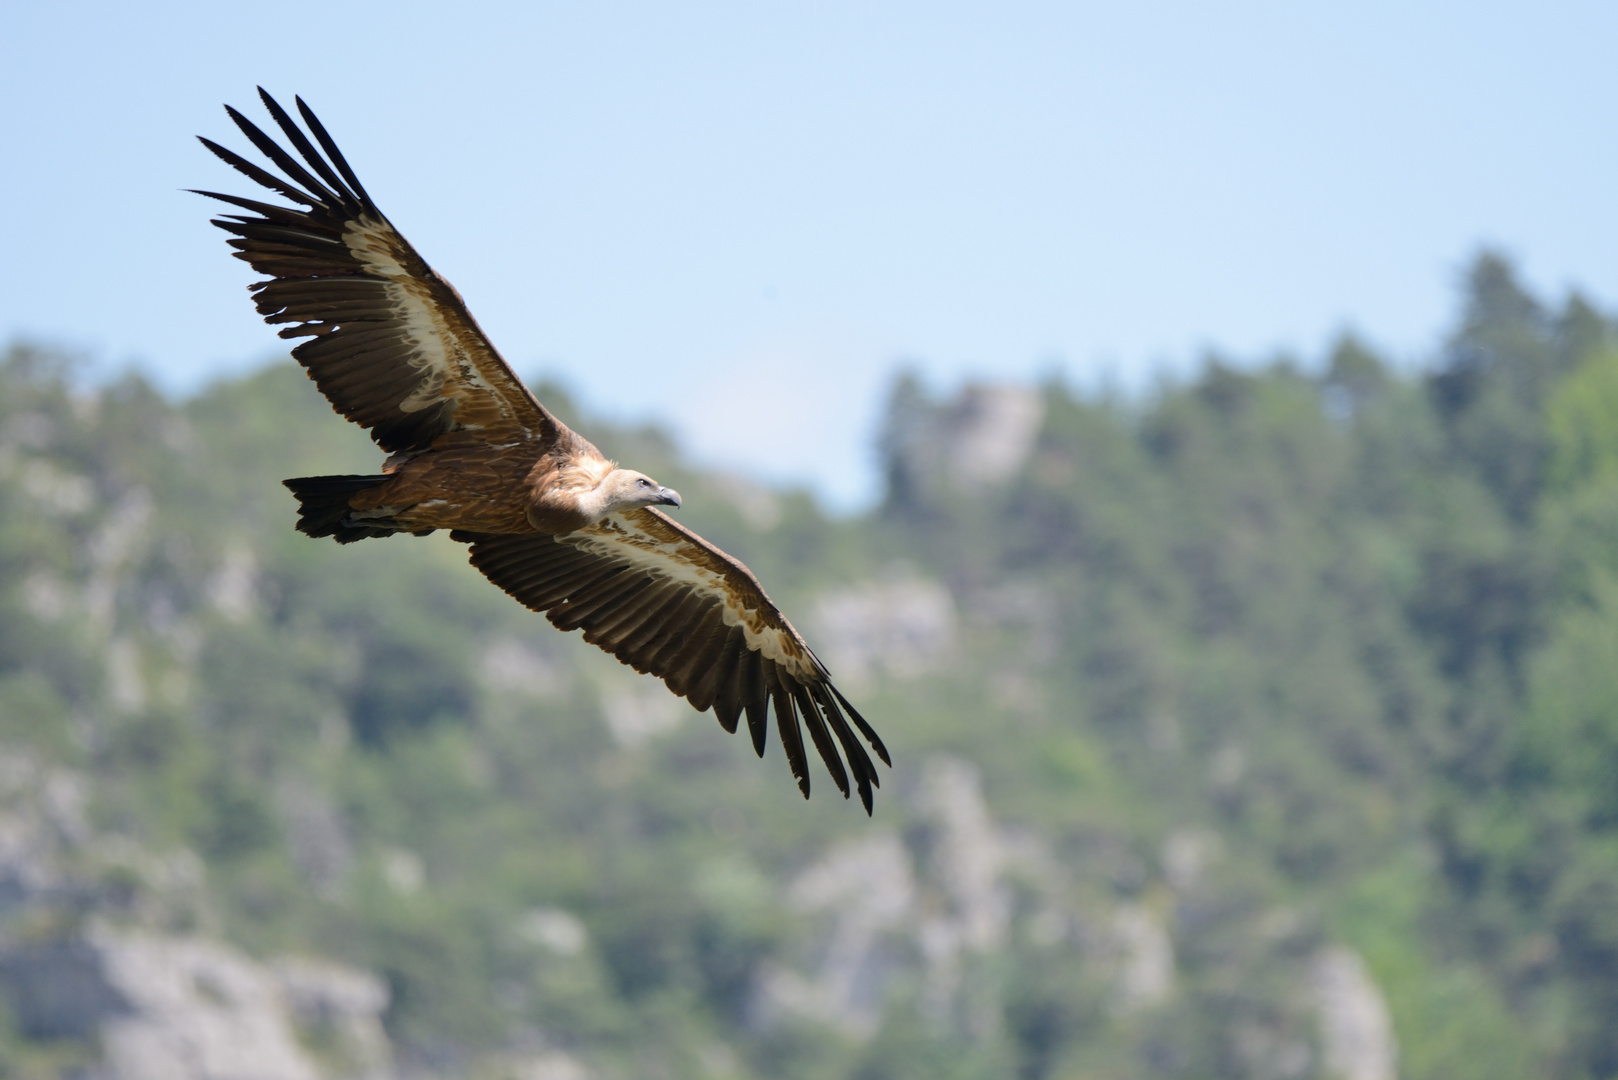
x: 626, y: 489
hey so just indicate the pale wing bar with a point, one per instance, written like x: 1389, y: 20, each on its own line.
x: 392, y: 345
x: 676, y: 630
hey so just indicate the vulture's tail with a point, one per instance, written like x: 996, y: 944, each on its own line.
x: 323, y: 508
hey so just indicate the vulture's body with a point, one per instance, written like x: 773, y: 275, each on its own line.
x: 549, y: 519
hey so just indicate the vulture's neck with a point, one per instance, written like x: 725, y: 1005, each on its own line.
x: 595, y: 504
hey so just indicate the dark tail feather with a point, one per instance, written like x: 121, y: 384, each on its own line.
x: 323, y: 508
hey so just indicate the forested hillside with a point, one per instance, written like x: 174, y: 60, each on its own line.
x: 1263, y: 726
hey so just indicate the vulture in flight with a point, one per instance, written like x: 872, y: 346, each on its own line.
x: 547, y: 517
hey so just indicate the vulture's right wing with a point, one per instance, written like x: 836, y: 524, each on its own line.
x: 665, y: 601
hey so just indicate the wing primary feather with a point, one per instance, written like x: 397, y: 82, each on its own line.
x: 810, y: 710
x: 859, y: 763
x: 269, y: 211
x: 753, y: 696
x: 865, y: 729
x: 317, y: 292
x: 305, y: 147
x: 354, y: 311
x: 296, y: 237
x: 858, y: 760
x: 727, y: 705
x: 271, y: 252
x: 282, y: 265
x: 786, y: 723
x: 360, y: 311
x: 704, y: 693
x: 758, y: 723
x: 288, y: 164
x: 257, y: 173
x: 336, y: 155
x: 271, y: 240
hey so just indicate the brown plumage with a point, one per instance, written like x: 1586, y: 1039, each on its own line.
x: 549, y: 519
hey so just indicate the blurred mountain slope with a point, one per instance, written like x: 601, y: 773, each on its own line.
x: 1264, y: 727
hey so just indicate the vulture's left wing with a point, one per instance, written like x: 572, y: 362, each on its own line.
x: 392, y: 346
x: 663, y: 600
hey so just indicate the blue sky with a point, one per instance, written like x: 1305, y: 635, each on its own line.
x: 739, y: 219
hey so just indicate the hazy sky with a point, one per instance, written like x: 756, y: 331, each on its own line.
x: 739, y: 219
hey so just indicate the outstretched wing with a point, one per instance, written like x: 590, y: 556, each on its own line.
x: 392, y: 344
x: 665, y: 601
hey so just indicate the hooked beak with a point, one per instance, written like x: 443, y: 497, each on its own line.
x: 668, y: 497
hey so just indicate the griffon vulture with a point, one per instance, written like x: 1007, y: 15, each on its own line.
x: 548, y: 518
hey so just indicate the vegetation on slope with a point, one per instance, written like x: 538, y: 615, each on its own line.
x: 1343, y: 634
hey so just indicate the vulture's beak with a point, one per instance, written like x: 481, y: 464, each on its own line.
x: 668, y: 496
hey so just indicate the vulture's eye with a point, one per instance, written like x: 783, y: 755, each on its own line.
x: 645, y: 483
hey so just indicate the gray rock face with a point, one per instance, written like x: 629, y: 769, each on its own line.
x: 1145, y: 959
x: 194, y: 1009
x: 339, y: 1007
x: 881, y: 906
x: 167, y: 1008
x: 886, y: 912
x: 980, y: 439
x: 1356, y: 1032
x: 903, y: 628
x: 993, y: 428
x: 82, y: 957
